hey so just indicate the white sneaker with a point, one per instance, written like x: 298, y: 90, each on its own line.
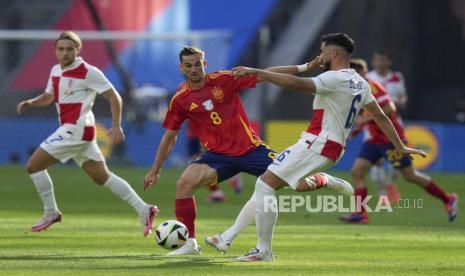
x: 337, y: 184
x: 254, y: 255
x: 189, y: 248
x: 217, y: 242
x: 46, y: 221
x: 147, y: 218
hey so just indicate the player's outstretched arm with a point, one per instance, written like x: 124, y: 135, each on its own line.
x: 116, y: 132
x: 283, y: 80
x: 41, y: 100
x: 164, y: 149
x: 293, y: 69
x: 386, y: 126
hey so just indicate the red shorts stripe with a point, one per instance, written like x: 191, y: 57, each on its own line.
x: 332, y: 150
x: 89, y: 133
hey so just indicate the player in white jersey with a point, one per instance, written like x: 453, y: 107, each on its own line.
x: 72, y: 86
x: 384, y: 176
x: 393, y: 81
x: 340, y: 93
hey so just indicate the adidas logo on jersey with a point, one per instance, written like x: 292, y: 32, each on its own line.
x: 193, y: 106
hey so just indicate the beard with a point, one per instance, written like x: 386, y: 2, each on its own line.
x: 326, y: 65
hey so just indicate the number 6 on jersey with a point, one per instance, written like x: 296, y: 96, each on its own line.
x: 353, y: 112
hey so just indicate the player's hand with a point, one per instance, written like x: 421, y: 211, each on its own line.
x: 21, y: 106
x: 116, y: 135
x: 242, y: 71
x: 356, y: 131
x: 409, y: 152
x: 150, y: 179
x: 315, y: 63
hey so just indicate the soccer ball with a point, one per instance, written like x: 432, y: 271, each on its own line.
x: 171, y: 234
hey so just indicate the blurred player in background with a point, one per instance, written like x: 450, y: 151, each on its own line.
x: 72, y: 86
x: 384, y: 176
x: 194, y: 150
x: 340, y: 93
x: 377, y: 145
x: 212, y: 104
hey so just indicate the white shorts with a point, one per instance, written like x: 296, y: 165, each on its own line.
x: 66, y: 143
x: 297, y: 162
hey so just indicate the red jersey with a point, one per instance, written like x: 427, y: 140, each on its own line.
x: 373, y: 134
x: 216, y: 113
x: 191, y: 131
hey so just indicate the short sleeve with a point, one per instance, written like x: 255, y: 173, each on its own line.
x: 325, y: 82
x: 401, y: 84
x: 369, y: 97
x: 245, y: 82
x: 49, y: 87
x: 97, y: 81
x: 174, y: 117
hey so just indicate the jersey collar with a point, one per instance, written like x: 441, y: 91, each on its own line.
x: 77, y: 62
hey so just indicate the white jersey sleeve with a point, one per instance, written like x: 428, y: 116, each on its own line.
x: 97, y: 81
x: 49, y: 87
x: 369, y: 97
x: 325, y: 82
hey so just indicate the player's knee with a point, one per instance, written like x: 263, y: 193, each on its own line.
x: 100, y: 179
x: 31, y: 167
x: 183, y: 185
x: 410, y: 176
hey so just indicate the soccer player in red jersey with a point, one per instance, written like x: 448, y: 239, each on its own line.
x: 212, y: 104
x: 394, y: 83
x: 377, y: 146
x: 72, y: 86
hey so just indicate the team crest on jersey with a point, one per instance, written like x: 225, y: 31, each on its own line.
x: 70, y: 84
x: 218, y: 93
x: 208, y: 104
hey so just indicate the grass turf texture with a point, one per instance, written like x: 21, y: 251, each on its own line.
x: 100, y: 235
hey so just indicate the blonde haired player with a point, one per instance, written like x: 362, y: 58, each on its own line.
x: 72, y: 86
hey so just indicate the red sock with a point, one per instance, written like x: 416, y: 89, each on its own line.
x: 185, y: 213
x: 360, y: 194
x: 213, y: 187
x: 436, y: 191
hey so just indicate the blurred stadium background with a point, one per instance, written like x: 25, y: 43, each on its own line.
x: 136, y: 44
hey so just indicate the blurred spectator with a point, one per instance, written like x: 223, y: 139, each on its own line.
x: 460, y: 107
x: 152, y: 101
x: 14, y: 157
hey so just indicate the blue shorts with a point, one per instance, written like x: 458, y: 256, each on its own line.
x: 373, y: 152
x: 255, y: 162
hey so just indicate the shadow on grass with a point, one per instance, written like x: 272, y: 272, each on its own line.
x: 160, y: 261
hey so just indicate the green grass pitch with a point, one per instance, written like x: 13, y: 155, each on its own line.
x: 100, y: 234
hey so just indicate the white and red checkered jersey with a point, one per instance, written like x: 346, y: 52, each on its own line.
x: 393, y: 82
x: 74, y: 89
x: 338, y: 99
